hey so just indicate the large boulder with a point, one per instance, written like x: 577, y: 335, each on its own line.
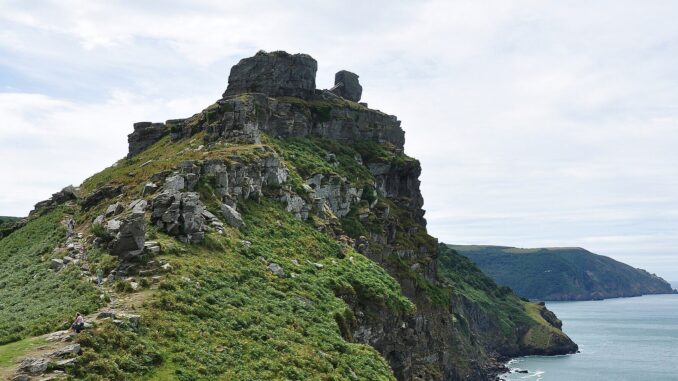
x: 275, y: 74
x: 130, y: 237
x: 347, y: 86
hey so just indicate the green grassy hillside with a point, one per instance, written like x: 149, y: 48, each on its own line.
x: 562, y: 273
x: 512, y: 324
x: 35, y: 299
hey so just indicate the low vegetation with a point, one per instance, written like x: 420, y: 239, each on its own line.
x: 35, y: 299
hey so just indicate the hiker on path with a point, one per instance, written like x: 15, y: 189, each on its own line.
x: 100, y: 276
x: 71, y: 227
x: 79, y: 323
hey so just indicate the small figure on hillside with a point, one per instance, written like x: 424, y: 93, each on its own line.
x: 71, y: 226
x: 79, y: 323
x: 100, y: 277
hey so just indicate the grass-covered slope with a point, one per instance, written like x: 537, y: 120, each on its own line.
x: 221, y: 314
x: 33, y: 298
x: 562, y: 273
x: 510, y: 325
x: 8, y: 225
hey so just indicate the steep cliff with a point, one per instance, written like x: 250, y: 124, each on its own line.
x: 279, y: 234
x: 563, y: 273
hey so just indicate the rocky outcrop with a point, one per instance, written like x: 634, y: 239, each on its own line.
x: 347, y: 86
x: 179, y: 214
x: 334, y: 191
x: 144, y: 135
x: 275, y: 74
x: 69, y: 193
x: 99, y: 195
x: 242, y: 119
x: 242, y: 178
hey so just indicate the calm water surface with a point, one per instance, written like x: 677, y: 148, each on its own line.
x: 619, y: 339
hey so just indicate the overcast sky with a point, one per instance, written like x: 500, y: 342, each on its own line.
x: 538, y: 123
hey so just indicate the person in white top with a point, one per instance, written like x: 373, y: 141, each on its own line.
x: 79, y: 323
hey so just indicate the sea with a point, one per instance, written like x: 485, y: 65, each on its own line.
x: 634, y: 339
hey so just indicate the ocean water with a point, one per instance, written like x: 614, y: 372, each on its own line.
x: 632, y: 339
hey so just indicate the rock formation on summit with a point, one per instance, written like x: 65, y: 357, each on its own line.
x: 276, y: 74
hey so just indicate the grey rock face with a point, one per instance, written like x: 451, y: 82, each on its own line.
x: 334, y: 191
x: 144, y: 135
x: 232, y: 216
x: 275, y: 74
x: 348, y: 86
x: 179, y: 214
x: 130, y: 238
x: 401, y: 183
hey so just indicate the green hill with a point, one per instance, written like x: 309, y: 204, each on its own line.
x: 274, y: 235
x: 562, y: 273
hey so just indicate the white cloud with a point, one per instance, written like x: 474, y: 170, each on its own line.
x: 536, y: 122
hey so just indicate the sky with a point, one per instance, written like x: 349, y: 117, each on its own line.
x: 537, y: 123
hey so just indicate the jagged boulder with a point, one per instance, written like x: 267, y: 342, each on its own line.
x: 144, y: 135
x: 138, y: 206
x: 114, y: 209
x: 275, y: 74
x: 347, y: 86
x: 130, y: 237
x: 232, y: 216
x: 33, y: 365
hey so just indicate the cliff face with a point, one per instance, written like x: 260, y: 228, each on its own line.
x: 282, y: 189
x: 563, y: 273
